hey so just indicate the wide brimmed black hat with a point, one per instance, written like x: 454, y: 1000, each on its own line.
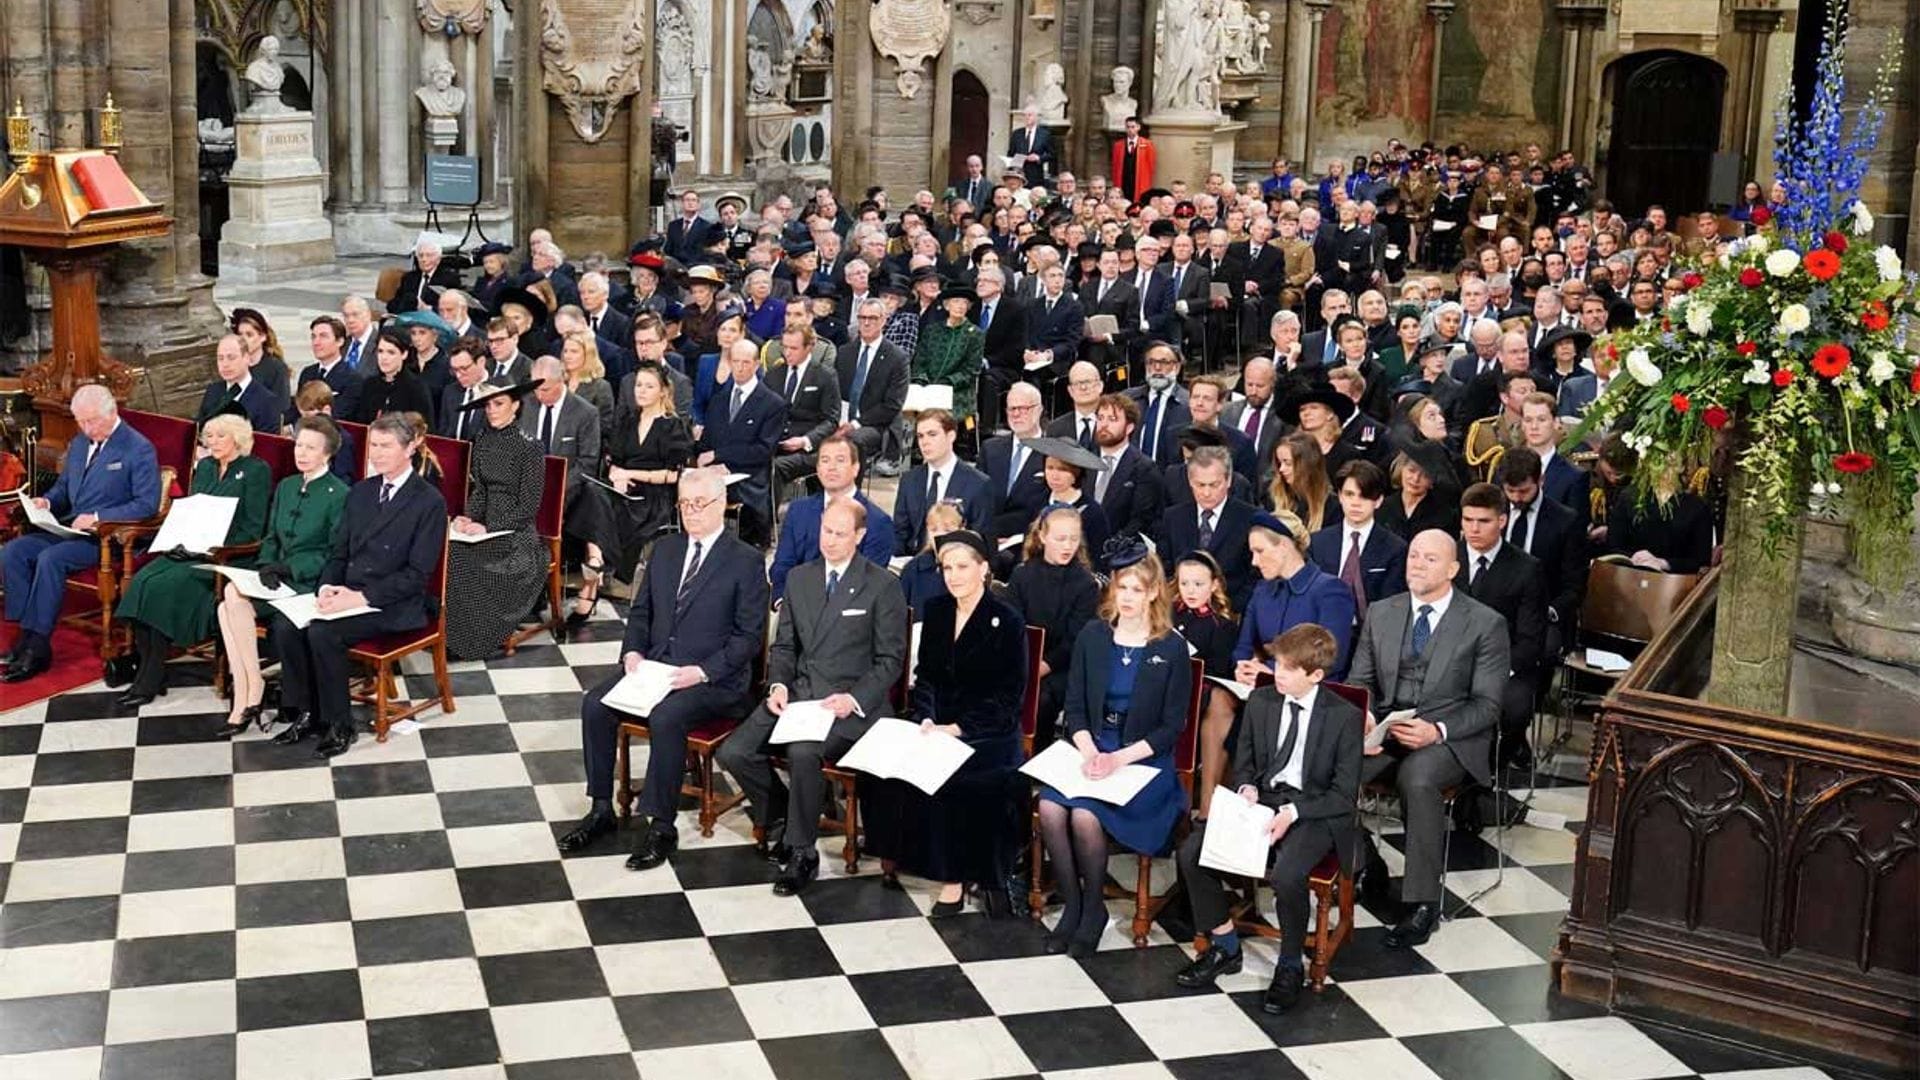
x: 895, y: 284
x: 1341, y: 405
x: 517, y: 294
x: 956, y: 290
x: 1068, y: 451
x: 492, y: 247
x: 1433, y: 459
x: 1582, y: 340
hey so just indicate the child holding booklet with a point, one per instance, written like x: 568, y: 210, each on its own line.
x: 1299, y: 755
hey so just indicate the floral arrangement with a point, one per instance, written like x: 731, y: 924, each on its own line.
x: 1795, y: 343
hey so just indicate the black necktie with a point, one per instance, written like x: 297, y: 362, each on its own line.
x: 793, y: 383
x: 93, y: 451
x: 933, y: 487
x: 833, y: 582
x: 1206, y: 528
x: 1517, y: 534
x: 1479, y: 567
x: 546, y: 428
x: 1086, y: 432
x: 386, y: 492
x: 693, y: 567
x: 1289, y: 737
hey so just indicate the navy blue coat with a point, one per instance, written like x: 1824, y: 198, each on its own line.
x: 263, y: 413
x: 1310, y: 596
x: 800, y: 537
x: 1180, y: 533
x: 1383, y: 561
x: 1158, y: 709
x: 967, y: 486
x: 722, y: 621
x: 389, y: 555
x: 1570, y: 486
x: 122, y: 485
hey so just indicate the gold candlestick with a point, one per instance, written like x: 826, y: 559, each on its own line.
x: 20, y: 135
x: 111, y: 131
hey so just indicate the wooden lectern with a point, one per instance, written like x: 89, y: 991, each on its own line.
x: 45, y: 210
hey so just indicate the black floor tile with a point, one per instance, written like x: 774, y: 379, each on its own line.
x: 59, y: 922
x: 462, y: 683
x: 1247, y: 1065
x: 686, y: 1018
x: 265, y: 755
x: 420, y: 1044
x: 856, y: 899
x: 28, y: 1025
x: 1558, y: 875
x: 412, y: 938
x: 285, y: 821
x: 20, y: 739
x: 500, y: 886
x: 69, y: 839
x: 604, y: 1067
x: 1474, y: 1055
x: 178, y: 729
x: 1329, y: 1016
x: 525, y: 978
x: 387, y: 778
x: 972, y: 938
x: 1125, y: 975
x: 555, y: 706
x: 530, y: 656
x: 177, y: 958
x: 1523, y: 995
x: 774, y: 956
x: 439, y: 742
x: 321, y: 997
x: 170, y: 1059
x: 83, y: 767
x: 91, y: 705
x: 188, y: 868
x: 292, y: 903
x: 919, y: 996
x: 489, y: 806
x: 397, y: 853
x: 555, y: 766
x: 1076, y: 1039
x: 182, y: 793
x: 1366, y: 956
x: 13, y: 803
x: 1539, y: 932
x: 1704, y: 1054
x: 623, y: 919
x: 720, y: 867
x: 863, y: 1054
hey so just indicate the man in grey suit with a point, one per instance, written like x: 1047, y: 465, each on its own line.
x: 812, y: 391
x: 841, y: 641
x: 566, y: 425
x: 1444, y: 655
x: 873, y: 380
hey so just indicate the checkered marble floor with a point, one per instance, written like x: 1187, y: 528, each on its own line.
x: 181, y: 908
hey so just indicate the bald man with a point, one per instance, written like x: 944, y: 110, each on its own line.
x: 1443, y: 655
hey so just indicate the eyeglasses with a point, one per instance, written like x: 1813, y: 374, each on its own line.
x: 1011, y: 407
x: 695, y: 506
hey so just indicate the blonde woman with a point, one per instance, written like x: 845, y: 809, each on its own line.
x: 587, y: 377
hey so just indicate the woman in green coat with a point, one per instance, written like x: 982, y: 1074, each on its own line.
x: 299, y: 540
x: 948, y: 352
x: 171, y: 600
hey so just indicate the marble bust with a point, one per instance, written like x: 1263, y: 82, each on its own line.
x: 1121, y: 103
x: 438, y: 95
x: 1052, y: 98
x: 264, y: 77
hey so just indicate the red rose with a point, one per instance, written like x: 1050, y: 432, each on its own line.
x: 1853, y: 462
x: 1692, y: 280
x: 1782, y: 377
x: 1835, y: 242
x: 1746, y: 348
x: 1761, y: 215
x: 1830, y: 360
x: 1875, y: 317
x: 1714, y: 417
x: 1752, y: 278
x: 1681, y: 403
x: 1822, y: 264
x: 1914, y: 382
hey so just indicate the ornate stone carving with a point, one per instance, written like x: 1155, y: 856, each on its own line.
x: 675, y: 49
x: 977, y: 12
x: 593, y: 73
x: 453, y: 17
x: 910, y: 32
x: 1052, y: 98
x: 1198, y: 43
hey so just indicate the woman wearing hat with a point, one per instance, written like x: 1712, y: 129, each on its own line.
x: 969, y: 679
x: 265, y: 358
x: 431, y: 337
x: 493, y: 274
x: 948, y: 351
x: 528, y: 312
x: 701, y: 315
x: 1426, y: 492
x: 1562, y: 349
x: 1055, y: 589
x: 1127, y: 693
x: 395, y: 385
x: 492, y: 584
x: 1067, y: 469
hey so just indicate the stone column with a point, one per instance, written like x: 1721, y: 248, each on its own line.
x: 1316, y: 15
x: 1300, y: 60
x: 1441, y: 10
x: 1756, y: 20
x: 1581, y: 20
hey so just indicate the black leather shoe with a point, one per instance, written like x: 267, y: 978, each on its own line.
x: 590, y: 828
x: 300, y: 727
x: 119, y: 671
x: 1283, y: 992
x: 22, y: 670
x: 134, y: 697
x: 1208, y: 967
x: 800, y: 872
x: 772, y: 844
x: 336, y: 743
x: 1416, y: 928
x: 1374, y: 882
x: 653, y: 849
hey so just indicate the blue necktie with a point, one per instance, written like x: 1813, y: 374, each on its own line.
x: 353, y: 354
x: 1422, y: 630
x: 859, y: 382
x: 986, y: 316
x: 1150, y: 436
x: 833, y: 582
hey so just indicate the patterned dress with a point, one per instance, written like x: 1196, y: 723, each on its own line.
x: 492, y: 584
x: 950, y: 356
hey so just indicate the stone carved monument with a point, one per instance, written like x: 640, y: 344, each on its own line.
x: 769, y: 117
x: 278, y: 225
x: 1121, y: 103
x: 442, y: 100
x: 910, y: 32
x: 592, y: 73
x: 1052, y: 98
x: 680, y: 51
x: 1193, y: 39
x: 453, y: 17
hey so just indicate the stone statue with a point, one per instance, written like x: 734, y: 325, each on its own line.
x: 264, y: 77
x: 674, y: 40
x: 1052, y: 99
x: 1245, y: 38
x: 438, y: 94
x: 1120, y: 104
x: 817, y: 49
x: 761, y: 83
x: 215, y: 134
x: 1186, y: 67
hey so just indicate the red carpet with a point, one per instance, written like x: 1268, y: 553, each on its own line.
x: 76, y: 662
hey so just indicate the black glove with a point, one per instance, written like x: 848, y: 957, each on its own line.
x: 180, y: 554
x: 273, y: 575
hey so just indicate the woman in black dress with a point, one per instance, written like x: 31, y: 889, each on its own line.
x: 651, y: 443
x: 1425, y: 495
x: 493, y: 583
x: 1055, y: 589
x: 969, y: 679
x: 394, y: 385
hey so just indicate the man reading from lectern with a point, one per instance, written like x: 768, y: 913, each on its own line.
x: 701, y: 607
x: 841, y: 642
x: 110, y: 474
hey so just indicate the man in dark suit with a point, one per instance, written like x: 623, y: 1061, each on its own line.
x: 1552, y: 534
x: 701, y: 608
x: 420, y: 286
x: 328, y: 336
x: 742, y: 432
x: 466, y: 361
x: 1084, y: 387
x: 1442, y: 654
x: 1252, y: 415
x: 1129, y: 492
x: 1110, y: 294
x: 1015, y: 474
x: 1263, y: 268
x: 842, y: 642
x: 1163, y: 406
x: 940, y: 477
x: 1299, y: 754
x: 1511, y: 582
x: 236, y: 387
x: 566, y: 425
x: 1190, y: 292
x: 110, y: 474
x: 506, y: 364
x: 391, y: 538
x: 1321, y: 346
x: 873, y: 379
x: 839, y: 477
x: 812, y: 393
x: 1055, y: 326
x: 1370, y: 560
x: 687, y: 234
x: 1153, y: 287
x: 1212, y: 522
x: 1032, y: 143
x: 605, y: 320
x: 975, y: 188
x: 1004, y: 320
x: 1205, y: 396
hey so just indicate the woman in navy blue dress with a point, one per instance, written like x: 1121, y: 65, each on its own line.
x: 1127, y: 694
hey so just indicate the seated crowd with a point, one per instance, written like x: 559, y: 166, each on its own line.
x: 1238, y: 425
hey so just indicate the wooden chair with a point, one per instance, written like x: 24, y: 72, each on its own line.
x: 1331, y: 883
x: 547, y: 521
x: 846, y: 781
x: 1623, y: 607
x: 277, y: 452
x: 1186, y: 753
x: 388, y: 284
x: 703, y: 741
x: 454, y: 456
x: 385, y: 652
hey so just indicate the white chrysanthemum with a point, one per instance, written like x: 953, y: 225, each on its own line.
x: 1638, y: 442
x: 1642, y: 368
x: 1881, y: 370
x: 1862, y: 218
x: 1887, y: 262
x: 1756, y: 243
x: 1794, y: 319
x: 1700, y: 319
x: 1759, y: 374
x: 1783, y: 262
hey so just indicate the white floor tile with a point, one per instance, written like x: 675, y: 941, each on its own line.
x: 276, y: 786
x: 387, y: 896
x: 501, y: 845
x: 72, y: 802
x: 147, y: 1013
x: 1168, y: 1026
x: 1419, y: 1005
x: 294, y: 950
x: 1367, y: 1059
x: 1034, y: 984
x: 177, y: 911
x: 180, y: 830
x: 778, y: 1010
x: 1519, y: 891
x: 716, y: 1061
x: 603, y: 876
x: 1473, y: 945
x: 528, y: 928
x: 431, y: 986
x: 76, y: 735
x: 80, y: 1063
x: 541, y: 680
x: 289, y: 860
x: 59, y: 879
x: 317, y: 1052
x: 745, y: 909
x: 473, y: 772
x: 558, y: 1029
x: 1600, y: 1048
x: 46, y: 970
x: 886, y: 945
x: 390, y: 814
x: 660, y: 967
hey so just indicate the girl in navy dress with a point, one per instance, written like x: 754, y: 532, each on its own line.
x: 1127, y: 694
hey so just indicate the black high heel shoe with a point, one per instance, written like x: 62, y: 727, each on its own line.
x: 249, y: 716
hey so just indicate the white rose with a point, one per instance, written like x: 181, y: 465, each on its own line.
x: 1794, y: 319
x: 1783, y: 262
x: 1700, y: 319
x: 1756, y: 243
x: 1881, y: 369
x: 1862, y: 219
x: 1759, y: 374
x: 1642, y: 368
x: 1887, y: 262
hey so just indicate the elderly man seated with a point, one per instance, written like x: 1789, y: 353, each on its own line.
x: 421, y: 285
x: 110, y: 474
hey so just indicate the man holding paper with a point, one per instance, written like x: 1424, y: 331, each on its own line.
x: 701, y: 607
x: 1297, y: 769
x: 109, y: 475
x: 840, y: 646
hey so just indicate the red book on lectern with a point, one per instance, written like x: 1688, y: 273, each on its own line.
x: 105, y: 183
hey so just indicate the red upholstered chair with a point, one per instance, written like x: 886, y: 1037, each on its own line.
x: 358, y: 432
x: 453, y: 456
x: 385, y: 652
x: 547, y: 521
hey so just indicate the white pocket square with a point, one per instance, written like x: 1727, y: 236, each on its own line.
x: 853, y: 611
x: 113, y: 466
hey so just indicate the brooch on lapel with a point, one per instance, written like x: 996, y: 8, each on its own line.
x: 996, y: 622
x: 1157, y: 660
